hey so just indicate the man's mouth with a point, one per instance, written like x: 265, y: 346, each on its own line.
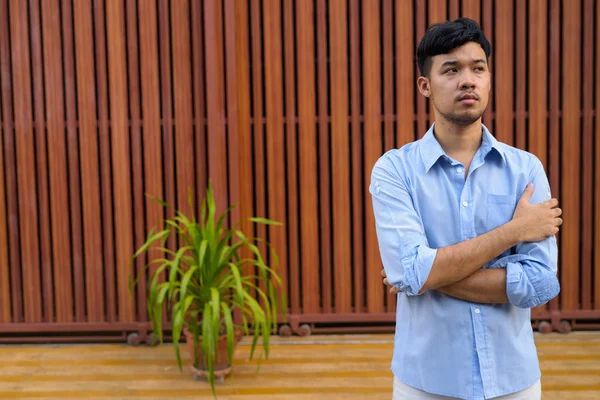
x: 468, y: 98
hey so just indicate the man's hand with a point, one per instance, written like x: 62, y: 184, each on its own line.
x: 393, y: 289
x: 536, y: 222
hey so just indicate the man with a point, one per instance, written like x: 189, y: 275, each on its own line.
x: 466, y: 229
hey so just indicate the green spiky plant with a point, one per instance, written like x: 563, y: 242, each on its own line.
x: 207, y: 279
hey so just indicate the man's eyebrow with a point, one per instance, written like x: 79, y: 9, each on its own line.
x: 455, y: 62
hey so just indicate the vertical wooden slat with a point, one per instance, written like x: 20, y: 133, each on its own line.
x: 388, y: 75
x: 258, y: 111
x: 405, y: 84
x: 42, y: 162
x: 275, y: 133
x: 357, y: 150
x: 26, y: 166
x: 422, y: 102
x: 597, y: 174
x: 538, y: 77
x: 487, y: 24
x: 57, y: 161
x: 504, y: 85
x: 372, y: 147
x: 73, y: 169
x: 5, y: 284
x: 121, y: 147
x: 137, y: 160
x: 388, y: 88
x: 437, y: 11
x: 520, y: 74
x: 587, y: 182
x: 166, y: 95
x: 554, y: 160
x: 323, y: 160
x: 472, y: 9
x: 453, y: 9
x: 108, y: 233
x: 340, y: 156
x: 182, y: 82
x: 10, y: 165
x: 292, y: 157
x: 88, y: 141
x: 233, y: 118
x: 198, y: 73
x: 405, y: 73
x: 150, y: 95
x: 570, y: 150
x: 308, y: 157
x: 215, y: 85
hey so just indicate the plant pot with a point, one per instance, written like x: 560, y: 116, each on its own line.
x: 222, y: 361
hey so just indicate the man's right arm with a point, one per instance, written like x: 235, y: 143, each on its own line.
x: 411, y: 264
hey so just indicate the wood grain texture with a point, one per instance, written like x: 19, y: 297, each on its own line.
x: 339, y: 366
x: 106, y: 173
x: 308, y: 157
x: 372, y: 148
x: 90, y: 160
x: 570, y: 155
x: 57, y: 161
x: 40, y: 138
x: 150, y: 96
x: 25, y: 161
x: 340, y: 135
x: 121, y: 148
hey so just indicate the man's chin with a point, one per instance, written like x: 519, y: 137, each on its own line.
x: 464, y: 119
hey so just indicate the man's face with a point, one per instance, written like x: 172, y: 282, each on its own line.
x: 459, y: 84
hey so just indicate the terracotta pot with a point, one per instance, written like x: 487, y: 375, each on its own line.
x: 222, y: 361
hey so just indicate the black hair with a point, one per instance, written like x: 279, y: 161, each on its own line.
x: 442, y: 38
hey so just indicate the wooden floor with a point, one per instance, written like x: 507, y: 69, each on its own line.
x: 316, y: 367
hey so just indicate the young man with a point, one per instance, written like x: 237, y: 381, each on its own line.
x: 466, y: 228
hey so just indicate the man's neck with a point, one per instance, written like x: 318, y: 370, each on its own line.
x: 459, y: 140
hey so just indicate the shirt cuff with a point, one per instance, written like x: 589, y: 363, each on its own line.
x: 417, y: 271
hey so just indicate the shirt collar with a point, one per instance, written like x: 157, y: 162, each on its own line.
x: 431, y: 150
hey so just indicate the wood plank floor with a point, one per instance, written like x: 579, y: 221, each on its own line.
x: 316, y: 367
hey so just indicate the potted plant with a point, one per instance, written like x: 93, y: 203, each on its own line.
x: 209, y: 276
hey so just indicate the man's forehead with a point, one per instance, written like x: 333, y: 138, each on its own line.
x: 467, y: 53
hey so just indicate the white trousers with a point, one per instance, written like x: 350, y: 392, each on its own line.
x: 404, y: 392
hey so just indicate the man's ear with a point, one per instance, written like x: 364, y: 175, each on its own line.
x: 424, y: 86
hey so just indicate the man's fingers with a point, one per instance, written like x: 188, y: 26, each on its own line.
x: 383, y: 272
x: 386, y: 282
x: 394, y: 290
x: 559, y: 221
x: 557, y: 212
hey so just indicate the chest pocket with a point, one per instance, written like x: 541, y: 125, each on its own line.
x: 500, y: 210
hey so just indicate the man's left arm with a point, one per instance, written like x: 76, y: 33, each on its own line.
x: 526, y: 279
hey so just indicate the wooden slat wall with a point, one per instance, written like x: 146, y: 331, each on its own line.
x: 284, y: 105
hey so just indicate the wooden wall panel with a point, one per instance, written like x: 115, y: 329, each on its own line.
x: 284, y: 105
x: 25, y: 161
x: 308, y: 156
x: 89, y: 156
x: 570, y: 154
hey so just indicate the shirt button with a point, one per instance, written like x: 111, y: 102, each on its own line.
x: 459, y: 170
x: 465, y: 204
x: 477, y: 311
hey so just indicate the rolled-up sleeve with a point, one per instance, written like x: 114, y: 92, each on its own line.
x: 531, y: 277
x: 405, y: 252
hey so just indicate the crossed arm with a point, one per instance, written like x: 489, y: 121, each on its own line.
x: 525, y: 279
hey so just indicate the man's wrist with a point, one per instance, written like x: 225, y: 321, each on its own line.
x: 513, y: 230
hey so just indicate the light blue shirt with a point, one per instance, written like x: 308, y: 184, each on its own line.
x: 422, y: 202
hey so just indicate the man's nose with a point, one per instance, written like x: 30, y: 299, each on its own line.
x: 467, y: 82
